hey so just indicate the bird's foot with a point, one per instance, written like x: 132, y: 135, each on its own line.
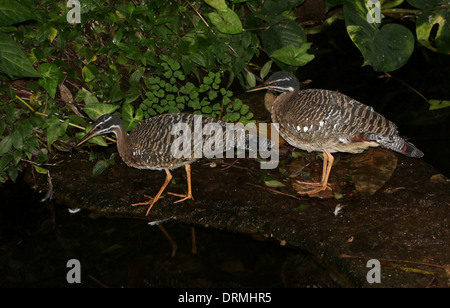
x: 183, y: 197
x: 150, y: 203
x: 152, y: 200
x: 310, y: 189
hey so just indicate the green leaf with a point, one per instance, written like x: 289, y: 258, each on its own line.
x: 86, y: 96
x: 95, y: 110
x: 13, y: 61
x: 302, y: 207
x: 13, y: 12
x: 265, y: 69
x: 426, y: 4
x: 385, y: 49
x: 282, y: 34
x: 5, y: 160
x: 231, y: 117
x: 98, y: 140
x: 55, y: 129
x: 40, y: 170
x: 292, y: 55
x: 87, y: 74
x: 275, y: 7
x: 17, y: 139
x: 128, y: 118
x: 136, y: 76
x: 5, y: 144
x: 219, y: 5
x: 438, y: 104
x: 274, y: 183
x: 99, y: 167
x: 13, y: 173
x: 50, y: 76
x: 251, y: 79
x: 433, y: 29
x: 227, y: 22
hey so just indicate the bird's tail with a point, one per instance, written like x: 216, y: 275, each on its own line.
x: 398, y: 144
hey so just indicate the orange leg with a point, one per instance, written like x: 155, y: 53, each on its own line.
x: 153, y: 200
x: 189, y: 184
x: 328, y: 160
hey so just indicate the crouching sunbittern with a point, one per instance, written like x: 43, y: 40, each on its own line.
x: 150, y: 144
x: 328, y: 121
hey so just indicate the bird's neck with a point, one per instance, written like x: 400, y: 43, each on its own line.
x: 122, y: 141
x: 277, y: 105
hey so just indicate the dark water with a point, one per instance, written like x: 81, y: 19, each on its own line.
x: 37, y: 239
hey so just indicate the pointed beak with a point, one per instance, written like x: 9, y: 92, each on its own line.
x: 257, y: 88
x: 86, y: 138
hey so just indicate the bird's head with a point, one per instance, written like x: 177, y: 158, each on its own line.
x: 280, y: 82
x: 105, y: 124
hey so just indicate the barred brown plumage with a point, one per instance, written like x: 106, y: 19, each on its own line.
x: 329, y: 121
x: 150, y: 145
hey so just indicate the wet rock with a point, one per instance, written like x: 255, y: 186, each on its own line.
x: 405, y: 224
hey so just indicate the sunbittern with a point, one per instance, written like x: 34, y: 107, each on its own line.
x: 328, y: 122
x: 150, y: 144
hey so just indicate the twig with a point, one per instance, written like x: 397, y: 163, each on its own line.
x: 46, y: 115
x: 275, y: 191
x: 408, y: 86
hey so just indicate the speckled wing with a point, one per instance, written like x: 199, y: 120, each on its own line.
x: 158, y: 142
x: 317, y: 119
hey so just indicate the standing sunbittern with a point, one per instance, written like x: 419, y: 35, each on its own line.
x: 149, y: 145
x: 328, y: 122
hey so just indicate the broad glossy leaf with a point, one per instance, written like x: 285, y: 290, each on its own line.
x: 5, y: 144
x: 129, y: 118
x: 275, y: 7
x: 385, y: 49
x: 426, y: 26
x: 50, y: 76
x: 292, y: 55
x: 87, y: 74
x: 251, y: 79
x: 287, y: 32
x: 219, y: 5
x: 95, y: 110
x: 226, y: 21
x: 55, y: 130
x: 5, y: 160
x: 136, y: 76
x: 265, y: 69
x: 427, y: 4
x: 13, y: 12
x: 13, y: 61
x: 438, y: 104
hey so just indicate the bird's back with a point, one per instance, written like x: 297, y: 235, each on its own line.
x: 173, y: 140
x: 317, y: 120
